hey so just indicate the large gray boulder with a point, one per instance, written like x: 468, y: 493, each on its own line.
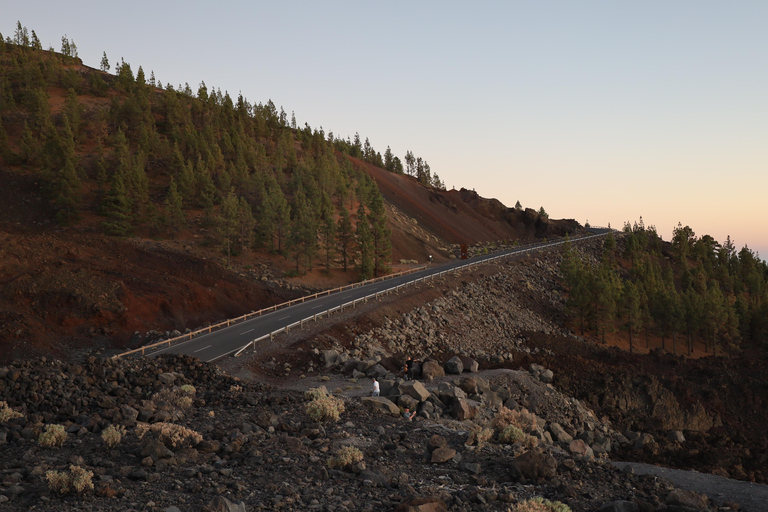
x: 465, y: 409
x: 454, y: 366
x: 431, y: 369
x: 470, y: 365
x: 415, y: 389
x: 379, y: 403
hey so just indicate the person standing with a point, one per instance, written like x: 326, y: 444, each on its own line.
x: 408, y: 367
x: 376, y: 389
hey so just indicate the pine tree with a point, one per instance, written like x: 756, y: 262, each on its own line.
x: 327, y: 229
x: 117, y: 208
x: 174, y: 208
x: 303, y: 232
x: 69, y: 197
x: 245, y: 223
x: 344, y: 236
x: 630, y: 300
x: 364, y: 241
x: 380, y: 234
x: 228, y: 223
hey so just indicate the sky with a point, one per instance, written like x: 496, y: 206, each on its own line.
x: 599, y: 111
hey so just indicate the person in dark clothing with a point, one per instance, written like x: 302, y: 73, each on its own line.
x: 409, y: 368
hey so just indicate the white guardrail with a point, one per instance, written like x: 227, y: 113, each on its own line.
x: 188, y: 336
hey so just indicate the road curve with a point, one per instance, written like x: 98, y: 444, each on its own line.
x: 229, y: 340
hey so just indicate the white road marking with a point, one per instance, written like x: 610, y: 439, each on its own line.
x: 317, y: 306
x: 246, y: 332
x: 198, y: 350
x: 289, y: 316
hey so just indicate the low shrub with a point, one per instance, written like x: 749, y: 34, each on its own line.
x: 6, y: 413
x: 315, y: 393
x: 479, y: 436
x: 112, y: 435
x: 53, y: 435
x: 176, y: 399
x: 345, y: 457
x: 327, y: 408
x: 170, y: 434
x: 77, y: 481
x: 541, y: 505
x: 522, y: 419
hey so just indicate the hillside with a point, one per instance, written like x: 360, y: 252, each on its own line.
x: 130, y: 210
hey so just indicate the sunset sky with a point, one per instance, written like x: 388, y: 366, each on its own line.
x: 601, y: 111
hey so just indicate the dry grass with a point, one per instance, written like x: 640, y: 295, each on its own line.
x: 112, y: 435
x: 522, y: 419
x: 170, y: 434
x: 77, y: 481
x: 6, y: 413
x: 326, y: 408
x: 345, y: 457
x: 479, y: 436
x: 540, y: 505
x: 53, y: 436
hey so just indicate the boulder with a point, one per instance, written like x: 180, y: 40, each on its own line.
x: 442, y: 454
x: 448, y: 393
x: 580, y: 448
x: 536, y: 464
x: 156, y: 450
x: 454, y: 366
x: 464, y: 409
x: 469, y: 385
x: 377, y: 371
x: 470, y: 365
x: 330, y: 357
x: 415, y: 389
x: 407, y: 401
x: 676, y: 436
x: 431, y: 369
x: 382, y: 404
x: 559, y: 434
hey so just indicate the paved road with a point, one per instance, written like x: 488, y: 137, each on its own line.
x: 227, y: 341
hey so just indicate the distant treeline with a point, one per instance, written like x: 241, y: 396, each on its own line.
x: 694, y: 287
x: 162, y: 160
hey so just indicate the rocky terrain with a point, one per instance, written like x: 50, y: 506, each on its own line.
x: 492, y: 353
x: 259, y: 448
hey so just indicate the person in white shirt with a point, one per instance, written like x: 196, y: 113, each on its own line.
x: 376, y: 388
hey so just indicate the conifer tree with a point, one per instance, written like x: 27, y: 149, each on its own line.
x: 380, y: 234
x: 117, y: 208
x: 327, y: 229
x: 303, y: 232
x: 245, y: 222
x: 68, y: 197
x: 228, y: 223
x: 174, y: 208
x: 364, y: 244
x: 630, y: 300
x: 344, y: 236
